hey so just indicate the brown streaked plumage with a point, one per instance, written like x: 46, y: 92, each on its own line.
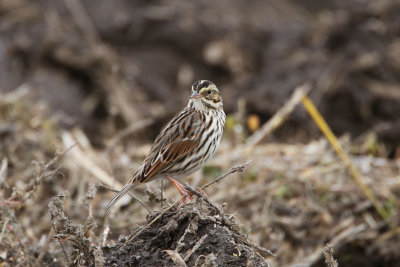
x: 186, y: 142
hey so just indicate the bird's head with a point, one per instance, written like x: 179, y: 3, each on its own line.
x: 205, y: 95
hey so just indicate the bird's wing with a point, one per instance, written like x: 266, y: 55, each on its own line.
x: 180, y: 137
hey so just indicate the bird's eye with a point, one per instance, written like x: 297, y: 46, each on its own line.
x: 209, y: 92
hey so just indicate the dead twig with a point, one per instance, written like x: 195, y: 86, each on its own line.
x: 195, y: 247
x: 90, y: 223
x: 3, y: 171
x: 239, y: 168
x: 43, y: 173
x: 80, y: 157
x: 264, y: 251
x: 53, y: 226
x: 328, y: 253
x: 106, y: 232
x: 45, y: 248
x: 4, y: 229
x: 225, y: 220
x: 83, y: 159
x: 70, y: 231
x: 176, y: 258
x: 279, y: 116
x: 355, y: 173
x: 155, y: 219
x: 209, y: 202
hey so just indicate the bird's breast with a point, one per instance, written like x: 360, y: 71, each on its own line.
x: 206, y: 148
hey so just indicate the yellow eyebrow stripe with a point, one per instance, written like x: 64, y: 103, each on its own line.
x: 204, y: 89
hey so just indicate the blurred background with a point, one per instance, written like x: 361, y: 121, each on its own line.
x: 110, y: 74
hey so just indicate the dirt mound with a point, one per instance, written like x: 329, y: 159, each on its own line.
x: 190, y: 235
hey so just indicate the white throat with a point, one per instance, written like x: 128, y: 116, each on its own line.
x: 198, y: 105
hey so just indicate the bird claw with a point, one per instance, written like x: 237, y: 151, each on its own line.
x: 189, y: 195
x: 186, y: 194
x: 185, y: 199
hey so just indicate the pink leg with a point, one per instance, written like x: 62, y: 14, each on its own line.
x: 182, y: 190
x: 185, y: 193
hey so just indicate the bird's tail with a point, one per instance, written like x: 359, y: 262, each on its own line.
x: 120, y: 194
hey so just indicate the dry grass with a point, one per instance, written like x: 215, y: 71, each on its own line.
x: 293, y: 199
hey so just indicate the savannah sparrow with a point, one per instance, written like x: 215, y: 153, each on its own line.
x: 186, y: 143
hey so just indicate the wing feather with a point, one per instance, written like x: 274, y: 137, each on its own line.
x: 175, y: 146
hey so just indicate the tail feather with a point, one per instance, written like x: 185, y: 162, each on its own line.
x: 120, y: 194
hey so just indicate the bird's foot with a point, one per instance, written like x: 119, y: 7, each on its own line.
x: 186, y: 194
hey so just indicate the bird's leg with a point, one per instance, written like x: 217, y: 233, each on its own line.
x: 178, y: 185
x: 184, y: 192
x: 181, y: 188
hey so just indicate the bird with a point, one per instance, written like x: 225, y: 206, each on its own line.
x: 185, y: 144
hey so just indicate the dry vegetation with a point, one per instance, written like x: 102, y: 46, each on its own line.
x: 85, y: 88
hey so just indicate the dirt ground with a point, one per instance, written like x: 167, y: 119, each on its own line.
x: 86, y: 85
x: 204, y: 240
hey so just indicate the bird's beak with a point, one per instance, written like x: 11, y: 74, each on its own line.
x: 196, y: 95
